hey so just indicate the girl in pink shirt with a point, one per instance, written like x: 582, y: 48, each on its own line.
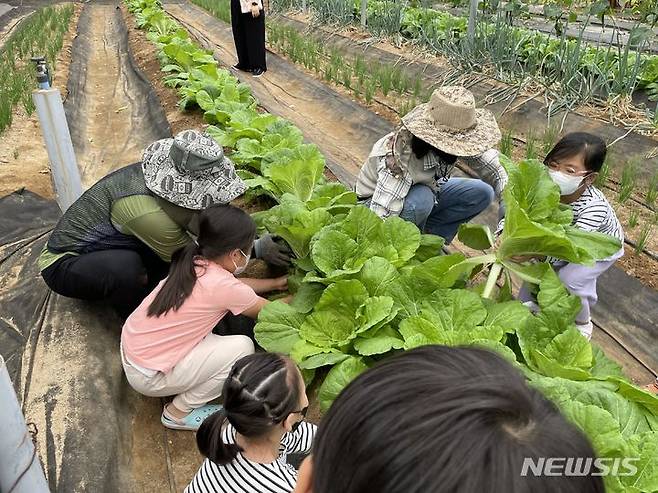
x: 168, y: 345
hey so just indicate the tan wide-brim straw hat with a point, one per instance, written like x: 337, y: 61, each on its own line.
x: 451, y: 123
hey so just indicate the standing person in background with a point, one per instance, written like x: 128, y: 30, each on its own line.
x: 248, y: 23
x: 247, y: 443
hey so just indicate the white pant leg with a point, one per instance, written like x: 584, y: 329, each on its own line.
x: 580, y: 280
x: 199, y: 376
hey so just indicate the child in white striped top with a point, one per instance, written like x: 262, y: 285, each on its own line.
x: 246, y: 444
x: 574, y: 163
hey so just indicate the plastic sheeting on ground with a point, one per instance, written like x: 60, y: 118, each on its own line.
x: 63, y: 359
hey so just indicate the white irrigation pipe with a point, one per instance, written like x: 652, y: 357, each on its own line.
x: 364, y: 12
x: 20, y: 470
x: 63, y: 165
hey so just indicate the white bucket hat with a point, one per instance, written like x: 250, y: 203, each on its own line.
x: 451, y: 123
x: 191, y: 171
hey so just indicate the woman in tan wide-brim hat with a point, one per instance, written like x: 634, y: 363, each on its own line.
x: 409, y: 171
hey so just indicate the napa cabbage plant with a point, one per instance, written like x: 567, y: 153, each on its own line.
x: 536, y: 224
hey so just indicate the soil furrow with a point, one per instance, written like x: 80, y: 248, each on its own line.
x: 112, y: 112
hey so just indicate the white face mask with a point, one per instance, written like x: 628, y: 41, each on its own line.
x: 240, y: 270
x: 568, y: 184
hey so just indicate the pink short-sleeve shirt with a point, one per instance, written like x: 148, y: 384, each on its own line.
x: 159, y: 343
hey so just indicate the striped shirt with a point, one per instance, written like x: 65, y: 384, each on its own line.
x: 593, y: 212
x: 244, y: 476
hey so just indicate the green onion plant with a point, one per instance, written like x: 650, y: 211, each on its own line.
x: 633, y: 218
x: 652, y: 190
x: 531, y: 145
x: 643, y: 238
x: 42, y: 33
x: 604, y: 173
x: 628, y: 181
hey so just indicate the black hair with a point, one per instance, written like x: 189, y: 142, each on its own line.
x: 444, y: 419
x: 222, y: 228
x: 591, y: 147
x: 261, y: 391
x: 420, y: 148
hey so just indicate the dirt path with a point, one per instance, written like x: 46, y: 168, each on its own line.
x: 112, y: 112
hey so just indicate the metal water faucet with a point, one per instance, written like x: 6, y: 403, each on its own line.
x: 43, y: 74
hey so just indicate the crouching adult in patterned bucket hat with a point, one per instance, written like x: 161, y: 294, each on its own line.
x: 409, y: 171
x: 116, y: 241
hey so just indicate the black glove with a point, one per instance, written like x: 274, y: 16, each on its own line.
x: 272, y: 252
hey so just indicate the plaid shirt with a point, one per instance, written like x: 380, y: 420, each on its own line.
x: 394, y: 179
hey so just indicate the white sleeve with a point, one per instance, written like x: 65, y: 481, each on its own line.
x: 245, y: 5
x: 301, y: 441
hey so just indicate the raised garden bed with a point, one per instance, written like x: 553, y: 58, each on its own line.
x: 215, y: 36
x: 211, y: 34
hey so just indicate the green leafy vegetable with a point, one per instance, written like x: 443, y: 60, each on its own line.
x: 338, y: 378
x: 293, y: 222
x: 278, y: 327
x: 450, y: 317
x: 342, y: 249
x: 379, y: 342
x: 536, y: 225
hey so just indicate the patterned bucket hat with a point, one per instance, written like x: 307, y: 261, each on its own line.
x: 191, y: 171
x: 451, y: 123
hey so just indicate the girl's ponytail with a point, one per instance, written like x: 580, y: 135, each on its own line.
x: 179, y: 283
x: 222, y: 228
x: 210, y: 443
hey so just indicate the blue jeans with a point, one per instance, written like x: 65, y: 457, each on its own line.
x: 460, y: 200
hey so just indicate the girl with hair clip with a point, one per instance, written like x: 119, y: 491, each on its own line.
x: 247, y: 443
x: 573, y: 164
x: 167, y: 344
